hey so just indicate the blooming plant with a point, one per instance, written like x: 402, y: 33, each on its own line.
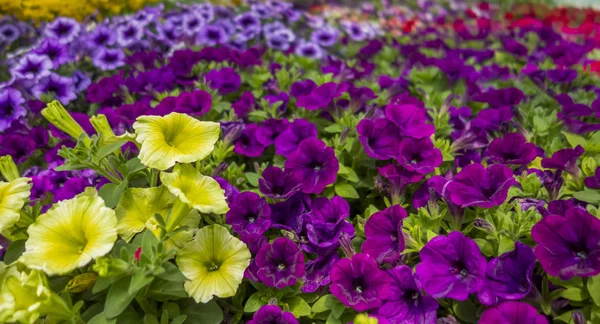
x: 202, y: 163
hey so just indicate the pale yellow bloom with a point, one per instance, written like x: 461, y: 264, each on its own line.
x: 137, y: 208
x: 214, y: 263
x: 174, y: 138
x: 13, y: 195
x: 71, y: 234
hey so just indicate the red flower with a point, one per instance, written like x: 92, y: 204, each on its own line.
x: 137, y: 254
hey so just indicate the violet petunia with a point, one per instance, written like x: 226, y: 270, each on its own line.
x: 108, y: 59
x: 565, y: 160
x: 411, y: 120
x: 17, y: 146
x: 32, y: 67
x: 249, y: 214
x: 359, y: 283
x: 64, y: 29
x: 269, y: 314
x: 385, y: 241
x: 280, y: 264
x: 593, y: 182
x: 61, y: 87
x: 278, y: 184
x: 289, y: 215
x: 569, y: 244
x: 302, y: 88
x: 225, y: 80
x: 57, y: 52
x: 314, y: 164
x: 451, y: 266
x: 254, y: 243
x: 379, y: 137
x: 318, y: 272
x: 247, y: 144
x: 477, y: 186
x: 244, y: 105
x: 407, y: 303
x: 194, y: 103
x: 288, y: 140
x: 418, y: 155
x: 508, y: 277
x: 319, y: 97
x: 513, y: 148
x: 561, y: 75
x: 270, y: 129
x: 512, y: 312
x: 11, y: 107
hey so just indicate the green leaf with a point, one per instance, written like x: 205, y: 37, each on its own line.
x: 345, y: 190
x: 589, y: 196
x: 466, y: 311
x: 109, y: 148
x: 162, y: 290
x: 118, y: 298
x: 485, y: 246
x: 252, y: 178
x: 111, y: 193
x: 209, y: 313
x: 172, y: 273
x: 138, y: 281
x: 575, y: 282
x: 14, y: 251
x: 336, y: 306
x: 593, y: 287
x: 505, y: 245
x: 101, y: 319
x: 348, y: 173
x: 320, y: 305
x: 334, y: 129
x: 299, y: 307
x: 101, y: 284
x: 575, y: 294
x: 574, y: 139
x: 254, y: 303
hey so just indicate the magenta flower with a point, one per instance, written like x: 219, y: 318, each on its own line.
x: 481, y: 187
x: 244, y: 105
x: 247, y: 144
x: 410, y: 119
x: 379, y: 137
x: 512, y: 312
x: 568, y: 245
x: 225, y: 80
x: 269, y: 314
x: 513, y: 148
x: 270, y: 129
x: 314, y: 165
x: 593, y: 182
x: 383, y: 230
x: 406, y: 302
x: 565, y: 160
x: 419, y: 155
x: 280, y: 264
x: 359, y: 283
x: 249, y: 214
x: 508, y: 276
x: 317, y: 272
x: 194, y: 103
x: 287, y: 142
x: 451, y: 266
x: 320, y: 97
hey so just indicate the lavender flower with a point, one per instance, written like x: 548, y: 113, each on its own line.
x: 326, y: 36
x: 359, y: 283
x: 56, y: 51
x: 451, y: 267
x: 249, y: 214
x: 61, y: 87
x: 63, y: 29
x: 309, y: 50
x: 212, y: 34
x: 383, y: 230
x: 280, y: 264
x: 11, y: 107
x: 101, y: 37
x: 109, y: 58
x: 314, y: 165
x: 32, y: 67
x: 9, y: 33
x: 248, y: 24
x: 129, y: 33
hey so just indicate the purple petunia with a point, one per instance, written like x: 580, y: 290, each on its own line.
x: 269, y: 314
x: 108, y: 59
x: 309, y: 50
x: 451, y: 266
x: 569, y: 244
x: 11, y: 107
x: 249, y: 214
x: 513, y: 148
x: 101, y: 37
x: 593, y: 182
x: 57, y: 52
x: 32, y: 67
x: 508, y: 277
x: 299, y: 130
x: 385, y: 241
x: 418, y: 155
x: 280, y: 264
x: 326, y: 224
x: 244, y: 104
x: 407, y: 303
x: 278, y: 184
x: 247, y: 144
x: 318, y: 272
x: 289, y: 214
x: 17, y: 146
x: 481, y: 187
x: 411, y: 120
x: 379, y: 138
x: 314, y: 165
x: 63, y: 29
x: 62, y: 88
x: 512, y: 312
x: 194, y: 103
x: 326, y: 36
x: 129, y: 33
x: 225, y: 80
x: 565, y: 160
x: 359, y: 283
x: 212, y: 34
x: 320, y: 97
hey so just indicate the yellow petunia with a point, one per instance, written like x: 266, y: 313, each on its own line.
x: 214, y: 263
x: 13, y: 196
x: 71, y: 234
x: 198, y: 191
x: 137, y: 208
x: 25, y: 297
x: 174, y: 138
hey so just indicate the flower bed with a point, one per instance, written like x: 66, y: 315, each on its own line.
x: 203, y: 164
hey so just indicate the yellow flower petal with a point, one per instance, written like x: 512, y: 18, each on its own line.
x: 174, y: 138
x: 198, y: 191
x: 13, y: 196
x: 71, y: 234
x: 138, y: 206
x: 214, y: 262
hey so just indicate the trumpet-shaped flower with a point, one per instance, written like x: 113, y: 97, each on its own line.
x: 25, y: 297
x: 214, y: 263
x: 196, y: 190
x: 71, y: 234
x: 13, y: 196
x: 174, y: 138
x: 137, y: 208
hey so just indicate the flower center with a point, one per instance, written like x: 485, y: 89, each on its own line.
x: 582, y: 255
x: 463, y: 273
x: 213, y: 267
x: 281, y: 267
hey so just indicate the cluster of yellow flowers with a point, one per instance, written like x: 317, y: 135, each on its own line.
x: 74, y: 233
x: 45, y: 10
